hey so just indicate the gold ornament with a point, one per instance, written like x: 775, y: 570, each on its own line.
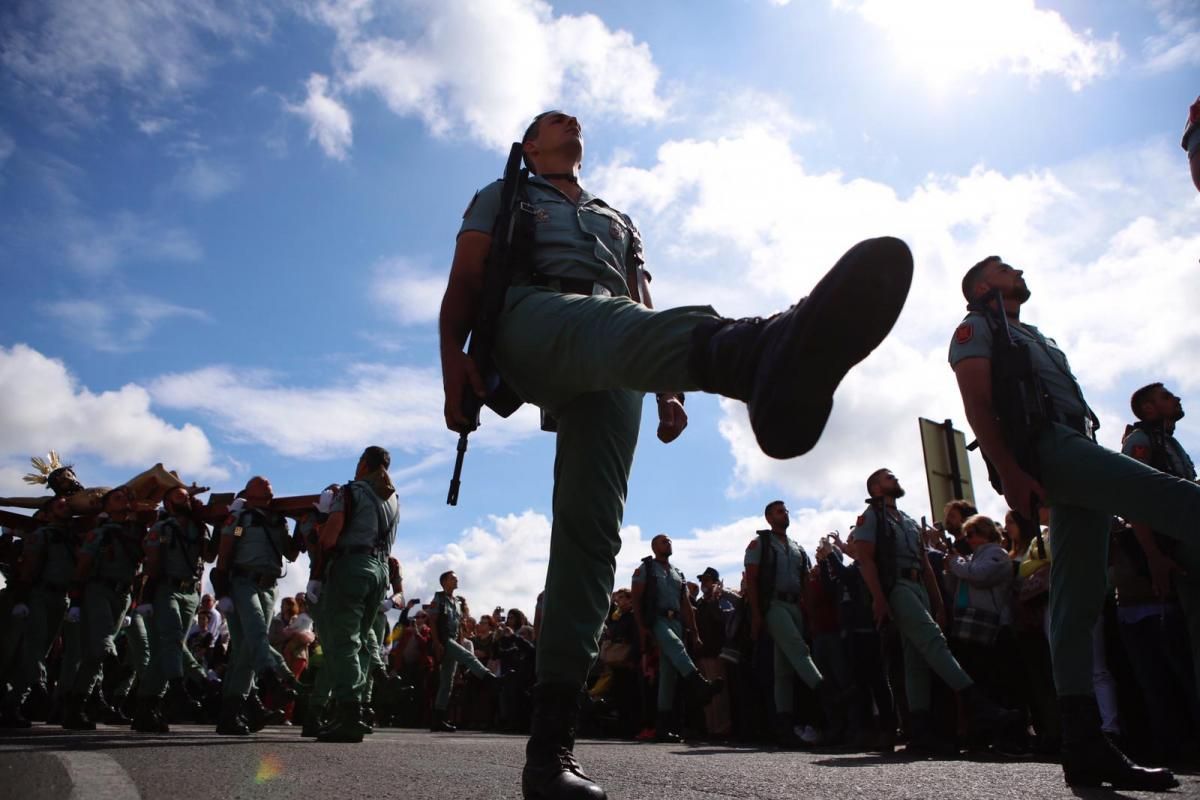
x: 44, y: 468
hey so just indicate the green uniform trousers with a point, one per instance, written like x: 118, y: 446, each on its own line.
x: 785, y: 623
x: 169, y: 656
x: 925, y: 646
x: 137, y: 656
x: 35, y: 636
x: 1086, y: 485
x: 673, y: 659
x: 251, y: 653
x: 104, y: 610
x: 349, y: 607
x: 455, y: 656
x: 588, y: 360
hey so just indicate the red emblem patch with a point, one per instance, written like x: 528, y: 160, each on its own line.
x: 861, y: 519
x: 964, y: 333
x: 1141, y: 452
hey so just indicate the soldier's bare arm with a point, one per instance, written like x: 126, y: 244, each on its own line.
x: 460, y: 308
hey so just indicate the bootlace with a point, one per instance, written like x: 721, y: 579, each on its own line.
x: 568, y: 763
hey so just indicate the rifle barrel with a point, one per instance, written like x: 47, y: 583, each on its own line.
x: 455, y: 479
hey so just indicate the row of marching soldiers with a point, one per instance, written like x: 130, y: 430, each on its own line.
x: 147, y: 579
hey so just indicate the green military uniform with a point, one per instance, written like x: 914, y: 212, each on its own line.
x: 116, y: 552
x: 137, y: 657
x: 357, y: 583
x: 789, y: 565
x: 1151, y: 444
x: 925, y: 646
x: 446, y: 626
x: 32, y: 636
x: 318, y: 698
x: 181, y: 546
x: 261, y: 537
x: 1086, y: 485
x: 665, y: 624
x: 587, y: 359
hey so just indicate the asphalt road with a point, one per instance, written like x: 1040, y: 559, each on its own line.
x: 193, y: 763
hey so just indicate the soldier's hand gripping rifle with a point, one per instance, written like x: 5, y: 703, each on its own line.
x: 512, y: 236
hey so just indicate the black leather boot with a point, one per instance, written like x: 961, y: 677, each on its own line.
x: 314, y: 720
x: 75, y: 717
x: 257, y: 715
x: 439, y: 723
x: 11, y: 715
x: 551, y: 770
x: 347, y: 725
x: 923, y: 740
x: 787, y: 367
x: 146, y: 716
x: 1090, y: 759
x: 703, y: 690
x: 231, y: 722
x: 664, y: 728
x: 180, y: 705
x: 784, y: 726
x: 986, y: 718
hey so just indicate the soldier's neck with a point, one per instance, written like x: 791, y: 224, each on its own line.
x: 663, y: 559
x: 889, y: 502
x: 780, y: 532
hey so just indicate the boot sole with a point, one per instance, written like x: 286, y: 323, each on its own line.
x: 847, y: 315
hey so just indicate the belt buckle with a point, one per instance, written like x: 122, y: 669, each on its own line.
x: 671, y: 613
x: 599, y: 290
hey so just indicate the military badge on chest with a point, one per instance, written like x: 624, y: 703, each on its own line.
x: 616, y: 231
x: 541, y: 215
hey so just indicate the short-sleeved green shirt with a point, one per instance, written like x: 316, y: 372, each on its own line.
x: 180, y: 546
x: 668, y: 586
x: 587, y: 240
x: 368, y: 514
x: 973, y: 339
x: 909, y: 549
x: 1137, y: 445
x: 116, y: 550
x: 791, y: 562
x: 56, y: 545
x: 262, y: 538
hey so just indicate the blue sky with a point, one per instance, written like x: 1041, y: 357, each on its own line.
x: 224, y: 231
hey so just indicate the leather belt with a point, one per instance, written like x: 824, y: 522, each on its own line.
x: 262, y: 580
x: 669, y: 613
x: 787, y: 597
x: 1076, y: 423
x: 120, y: 587
x: 914, y: 575
x: 184, y: 585
x: 363, y: 550
x: 571, y: 285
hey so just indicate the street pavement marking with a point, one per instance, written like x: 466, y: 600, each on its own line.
x: 95, y: 776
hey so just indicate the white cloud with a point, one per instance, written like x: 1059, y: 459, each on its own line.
x: 1178, y: 44
x: 329, y: 122
x: 412, y: 294
x: 204, y: 179
x: 397, y: 407
x: 120, y: 324
x: 97, y: 247
x: 153, y: 48
x: 522, y: 60
x: 1109, y: 242
x: 944, y: 39
x: 46, y: 408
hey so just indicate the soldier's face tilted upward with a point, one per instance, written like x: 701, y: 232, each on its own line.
x: 559, y: 140
x: 1008, y: 279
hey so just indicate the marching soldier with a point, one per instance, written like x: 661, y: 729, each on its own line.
x: 308, y: 526
x: 449, y: 651
x: 253, y: 545
x: 777, y: 570
x: 39, y: 601
x: 356, y: 541
x: 576, y: 336
x: 663, y: 611
x: 894, y: 564
x: 108, y: 565
x: 1035, y: 429
x: 175, y: 554
x: 1152, y: 441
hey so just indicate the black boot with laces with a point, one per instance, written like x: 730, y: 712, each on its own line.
x: 551, y: 769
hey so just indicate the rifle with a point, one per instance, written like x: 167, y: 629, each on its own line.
x: 512, y: 238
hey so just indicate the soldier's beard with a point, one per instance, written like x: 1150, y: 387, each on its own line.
x: 896, y: 493
x: 1022, y: 294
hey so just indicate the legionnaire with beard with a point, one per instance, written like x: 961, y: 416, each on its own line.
x: 577, y: 336
x: 448, y: 649
x: 175, y: 554
x: 253, y: 545
x: 356, y: 540
x: 108, y: 564
x: 1152, y: 441
x: 665, y: 614
x: 1043, y: 453
x: 895, y: 567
